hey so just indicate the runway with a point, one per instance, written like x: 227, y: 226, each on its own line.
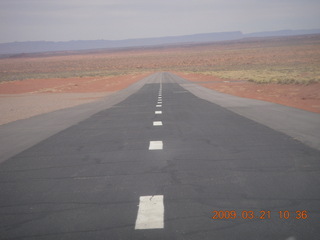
x: 164, y: 159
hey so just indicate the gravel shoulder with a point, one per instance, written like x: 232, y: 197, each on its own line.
x: 21, y: 106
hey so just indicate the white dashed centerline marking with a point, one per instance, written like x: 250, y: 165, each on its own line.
x: 155, y: 145
x: 150, y: 213
x: 151, y: 209
x: 157, y: 123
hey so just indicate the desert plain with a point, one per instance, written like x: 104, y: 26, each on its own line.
x: 283, y: 70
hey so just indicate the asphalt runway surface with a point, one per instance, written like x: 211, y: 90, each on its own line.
x: 164, y: 159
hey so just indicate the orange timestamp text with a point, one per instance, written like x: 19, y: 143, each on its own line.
x: 248, y: 214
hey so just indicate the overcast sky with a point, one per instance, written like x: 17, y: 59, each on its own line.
x: 63, y: 20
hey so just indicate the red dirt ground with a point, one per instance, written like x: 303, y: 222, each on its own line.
x: 306, y: 97
x: 70, y: 85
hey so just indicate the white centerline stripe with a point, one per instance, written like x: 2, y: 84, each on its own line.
x: 159, y: 102
x: 157, y: 123
x: 155, y: 145
x: 158, y: 105
x: 150, y: 213
x: 158, y: 112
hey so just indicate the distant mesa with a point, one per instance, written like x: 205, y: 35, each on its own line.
x: 21, y: 48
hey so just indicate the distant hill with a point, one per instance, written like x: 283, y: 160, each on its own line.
x: 46, y: 46
x: 283, y: 33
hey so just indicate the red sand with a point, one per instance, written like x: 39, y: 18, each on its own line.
x: 70, y: 85
x: 306, y: 97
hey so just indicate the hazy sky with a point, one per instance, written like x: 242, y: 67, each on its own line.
x: 62, y: 20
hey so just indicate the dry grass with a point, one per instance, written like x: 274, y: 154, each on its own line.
x: 275, y: 60
x: 271, y: 75
x: 269, y: 61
